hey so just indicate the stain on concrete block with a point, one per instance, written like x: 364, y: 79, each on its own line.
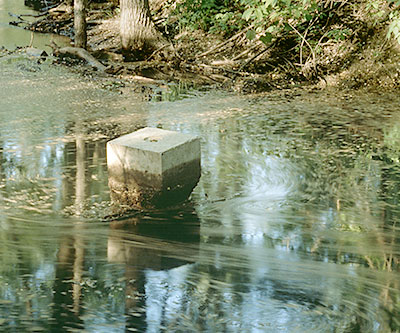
x: 153, y: 168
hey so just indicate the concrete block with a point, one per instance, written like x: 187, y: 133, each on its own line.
x: 153, y: 167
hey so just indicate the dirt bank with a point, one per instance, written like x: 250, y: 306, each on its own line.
x: 365, y: 59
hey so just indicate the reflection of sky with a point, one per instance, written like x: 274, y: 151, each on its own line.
x: 41, y: 161
x: 164, y: 295
x: 247, y: 270
x: 267, y: 186
x: 44, y: 273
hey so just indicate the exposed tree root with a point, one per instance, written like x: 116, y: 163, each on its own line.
x: 300, y: 55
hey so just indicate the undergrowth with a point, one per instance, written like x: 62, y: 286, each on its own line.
x: 310, y: 37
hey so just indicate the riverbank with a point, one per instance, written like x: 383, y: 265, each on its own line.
x: 360, y: 58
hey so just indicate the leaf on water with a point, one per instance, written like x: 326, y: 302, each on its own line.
x: 5, y: 301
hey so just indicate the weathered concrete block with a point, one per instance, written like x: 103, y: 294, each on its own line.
x: 153, y: 167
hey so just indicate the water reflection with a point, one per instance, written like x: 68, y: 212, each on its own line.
x: 12, y: 37
x: 67, y: 289
x: 154, y: 249
x: 293, y: 226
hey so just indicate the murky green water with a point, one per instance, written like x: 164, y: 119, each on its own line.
x: 11, y: 37
x: 292, y: 228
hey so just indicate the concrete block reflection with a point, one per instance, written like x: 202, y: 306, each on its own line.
x: 156, y: 241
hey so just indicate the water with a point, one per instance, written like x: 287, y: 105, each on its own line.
x: 292, y: 228
x: 12, y: 37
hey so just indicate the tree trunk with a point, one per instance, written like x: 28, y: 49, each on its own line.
x: 139, y: 36
x: 80, y: 23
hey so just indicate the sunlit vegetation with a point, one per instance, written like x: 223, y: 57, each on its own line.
x: 293, y: 226
x: 311, y: 37
x: 270, y: 19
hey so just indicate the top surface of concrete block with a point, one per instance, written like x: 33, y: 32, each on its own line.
x: 153, y: 139
x: 153, y: 150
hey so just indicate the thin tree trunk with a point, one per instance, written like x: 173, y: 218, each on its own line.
x: 80, y: 23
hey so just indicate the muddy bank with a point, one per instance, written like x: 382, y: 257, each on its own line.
x: 366, y: 60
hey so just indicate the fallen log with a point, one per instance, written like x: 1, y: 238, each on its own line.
x: 78, y: 52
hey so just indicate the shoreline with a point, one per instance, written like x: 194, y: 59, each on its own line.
x: 201, y: 59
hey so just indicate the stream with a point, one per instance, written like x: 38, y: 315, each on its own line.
x: 293, y: 227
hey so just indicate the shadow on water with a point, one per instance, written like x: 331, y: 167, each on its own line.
x: 152, y: 244
x: 148, y: 244
x: 40, y: 4
x: 293, y: 226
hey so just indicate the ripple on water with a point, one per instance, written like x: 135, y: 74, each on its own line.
x: 292, y: 228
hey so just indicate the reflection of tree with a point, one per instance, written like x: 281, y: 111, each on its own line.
x: 80, y: 194
x: 67, y: 306
x: 298, y: 229
x: 309, y: 186
x: 158, y: 242
x: 387, y: 238
x: 1, y: 161
x: 54, y: 177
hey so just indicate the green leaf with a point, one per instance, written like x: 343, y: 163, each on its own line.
x: 287, y: 27
x: 251, y: 34
x: 394, y: 29
x: 267, y: 38
x: 248, y: 13
x: 296, y: 13
x: 259, y: 14
x: 270, y: 3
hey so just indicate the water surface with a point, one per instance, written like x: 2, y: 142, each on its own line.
x: 12, y: 37
x: 292, y: 228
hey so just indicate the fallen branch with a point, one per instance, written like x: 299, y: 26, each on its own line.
x: 80, y: 53
x: 304, y: 40
x: 143, y: 79
x: 246, y: 52
x: 34, y: 15
x: 16, y: 16
x: 19, y: 23
x: 215, y: 48
x: 256, y: 56
x: 156, y: 51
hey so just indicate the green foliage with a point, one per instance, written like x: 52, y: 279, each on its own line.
x: 302, y: 26
x: 339, y: 34
x: 375, y: 8
x: 268, y: 18
x: 210, y: 15
x: 394, y: 26
x: 271, y: 18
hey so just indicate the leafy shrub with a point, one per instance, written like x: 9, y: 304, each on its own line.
x: 394, y: 26
x: 210, y: 15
